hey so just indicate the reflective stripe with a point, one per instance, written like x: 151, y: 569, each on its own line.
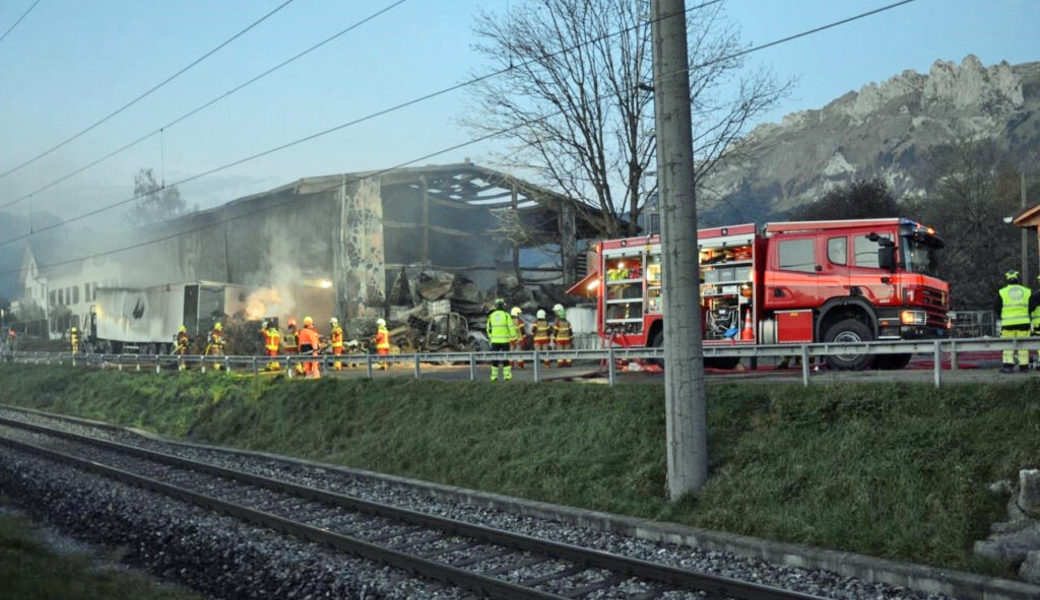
x: 541, y: 331
x: 499, y: 327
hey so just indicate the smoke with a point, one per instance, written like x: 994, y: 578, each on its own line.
x: 274, y: 296
x: 264, y: 302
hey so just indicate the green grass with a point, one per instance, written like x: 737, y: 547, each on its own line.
x: 30, y: 570
x: 891, y: 470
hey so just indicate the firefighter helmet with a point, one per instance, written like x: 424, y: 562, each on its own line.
x: 1011, y: 275
x: 516, y: 311
x: 540, y: 314
x: 218, y: 326
x: 500, y: 302
x: 557, y: 308
x: 381, y: 322
x: 292, y: 321
x: 182, y: 329
x: 308, y: 322
x: 74, y: 330
x: 265, y: 325
x: 333, y: 321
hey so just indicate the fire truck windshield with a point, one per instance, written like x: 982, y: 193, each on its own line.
x: 920, y: 257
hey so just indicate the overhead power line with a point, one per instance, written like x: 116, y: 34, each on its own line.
x: 333, y: 129
x: 203, y: 106
x: 24, y: 14
x: 414, y: 160
x: 147, y: 92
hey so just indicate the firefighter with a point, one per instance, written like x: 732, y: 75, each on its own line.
x: 382, y: 339
x: 1014, y: 304
x: 310, y: 342
x: 272, y: 339
x: 336, y: 341
x: 519, y: 335
x: 181, y: 349
x: 561, y: 335
x: 215, y: 347
x: 292, y: 343
x: 74, y: 340
x: 500, y: 332
x: 541, y: 331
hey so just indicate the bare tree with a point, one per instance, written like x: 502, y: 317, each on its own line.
x: 576, y: 97
x: 153, y: 201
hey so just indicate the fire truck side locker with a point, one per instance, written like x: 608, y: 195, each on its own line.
x: 794, y: 326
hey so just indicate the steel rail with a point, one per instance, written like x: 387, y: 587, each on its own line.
x: 586, y: 558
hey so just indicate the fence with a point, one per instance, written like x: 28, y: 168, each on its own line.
x: 936, y: 348
x: 973, y: 323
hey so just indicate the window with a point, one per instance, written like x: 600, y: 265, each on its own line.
x: 797, y: 255
x: 93, y: 295
x: 54, y: 298
x: 61, y: 296
x: 86, y: 292
x: 867, y: 251
x: 837, y: 250
x: 75, y: 295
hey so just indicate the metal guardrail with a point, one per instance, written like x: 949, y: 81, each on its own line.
x: 936, y: 348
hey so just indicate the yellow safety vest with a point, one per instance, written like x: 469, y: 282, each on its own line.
x: 500, y: 327
x: 1014, y: 301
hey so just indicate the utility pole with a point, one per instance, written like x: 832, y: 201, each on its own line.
x: 686, y: 419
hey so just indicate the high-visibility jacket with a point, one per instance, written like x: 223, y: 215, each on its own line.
x: 1014, y: 306
x: 519, y: 330
x: 182, y: 342
x: 1036, y: 320
x: 541, y: 331
x: 561, y: 331
x: 74, y: 342
x: 292, y: 341
x: 216, y: 342
x: 309, y: 339
x: 336, y: 337
x: 383, y: 338
x: 499, y: 327
x: 271, y: 339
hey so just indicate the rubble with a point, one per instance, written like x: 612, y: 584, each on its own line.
x: 1017, y: 540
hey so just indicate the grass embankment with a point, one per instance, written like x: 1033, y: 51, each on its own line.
x: 891, y: 470
x: 31, y: 570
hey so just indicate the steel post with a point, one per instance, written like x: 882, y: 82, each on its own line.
x: 537, y: 372
x: 953, y: 356
x: 472, y: 366
x: 805, y: 365
x: 938, y: 363
x: 417, y: 372
x: 368, y: 365
x: 611, y: 366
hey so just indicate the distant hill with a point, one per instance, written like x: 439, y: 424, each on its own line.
x: 881, y: 131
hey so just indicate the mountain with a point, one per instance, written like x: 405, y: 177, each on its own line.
x: 882, y: 131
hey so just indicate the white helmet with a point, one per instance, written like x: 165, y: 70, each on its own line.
x: 557, y: 308
x: 334, y: 321
x: 516, y: 311
x: 381, y: 322
x: 540, y: 314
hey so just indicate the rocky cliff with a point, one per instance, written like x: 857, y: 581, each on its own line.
x: 881, y: 131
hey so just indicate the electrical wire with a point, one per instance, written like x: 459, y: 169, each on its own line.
x: 24, y: 14
x: 399, y: 166
x: 336, y: 128
x: 149, y: 91
x: 203, y: 106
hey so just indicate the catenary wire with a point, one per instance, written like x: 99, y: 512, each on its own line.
x: 24, y: 14
x: 202, y: 106
x: 149, y: 91
x: 341, y: 126
x: 399, y: 166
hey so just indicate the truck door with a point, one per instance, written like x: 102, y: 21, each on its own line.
x: 792, y: 273
x: 868, y: 279
x: 833, y: 280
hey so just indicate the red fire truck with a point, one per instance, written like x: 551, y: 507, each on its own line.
x: 794, y: 282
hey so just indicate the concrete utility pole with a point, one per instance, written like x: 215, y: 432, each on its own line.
x: 683, y: 356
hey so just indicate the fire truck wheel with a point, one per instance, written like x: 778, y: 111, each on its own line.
x: 657, y: 342
x: 892, y: 362
x: 850, y: 331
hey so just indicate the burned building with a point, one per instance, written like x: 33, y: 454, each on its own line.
x: 366, y: 236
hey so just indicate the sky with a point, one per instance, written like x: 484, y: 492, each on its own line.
x: 69, y: 63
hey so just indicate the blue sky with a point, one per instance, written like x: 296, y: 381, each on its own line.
x: 71, y: 62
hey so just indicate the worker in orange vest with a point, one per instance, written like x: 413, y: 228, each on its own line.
x: 382, y: 342
x: 183, y: 341
x: 272, y: 338
x: 292, y: 343
x: 336, y: 341
x: 215, y: 347
x: 74, y: 340
x: 310, y: 342
x: 561, y: 334
x: 542, y: 333
x: 519, y: 335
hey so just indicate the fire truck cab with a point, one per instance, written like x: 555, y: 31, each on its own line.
x: 791, y: 282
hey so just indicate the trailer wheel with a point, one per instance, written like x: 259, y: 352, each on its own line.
x: 892, y: 362
x: 849, y: 331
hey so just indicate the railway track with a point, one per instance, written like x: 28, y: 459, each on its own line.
x: 487, y: 561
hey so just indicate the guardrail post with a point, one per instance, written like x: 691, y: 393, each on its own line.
x: 611, y: 368
x: 227, y: 364
x: 537, y: 373
x: 953, y: 356
x: 256, y: 370
x: 368, y: 365
x: 938, y: 363
x: 472, y: 366
x: 137, y: 363
x: 417, y: 365
x: 805, y: 365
